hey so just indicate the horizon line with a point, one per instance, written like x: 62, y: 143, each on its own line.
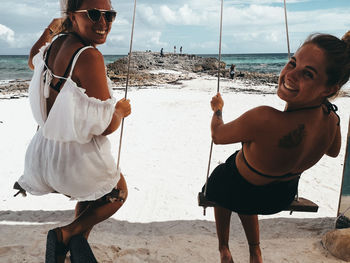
x: 197, y: 54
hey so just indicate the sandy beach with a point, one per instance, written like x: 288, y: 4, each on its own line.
x: 164, y: 159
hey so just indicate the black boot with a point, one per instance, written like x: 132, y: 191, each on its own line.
x: 80, y: 250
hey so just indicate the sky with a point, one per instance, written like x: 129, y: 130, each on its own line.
x: 249, y: 26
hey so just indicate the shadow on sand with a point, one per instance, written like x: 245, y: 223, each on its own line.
x: 23, y: 237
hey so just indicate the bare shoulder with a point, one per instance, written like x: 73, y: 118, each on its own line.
x: 261, y: 119
x: 265, y: 110
x: 263, y: 114
x: 90, y: 74
x: 90, y: 58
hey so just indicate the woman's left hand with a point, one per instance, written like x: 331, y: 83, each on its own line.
x: 217, y: 103
x: 55, y: 26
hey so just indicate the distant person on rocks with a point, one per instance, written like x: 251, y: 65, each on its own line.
x: 181, y: 50
x: 174, y: 49
x: 232, y: 71
x: 161, y: 52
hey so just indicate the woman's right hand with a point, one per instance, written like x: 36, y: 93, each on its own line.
x: 55, y: 26
x: 217, y: 103
x: 123, y: 107
x: 53, y: 29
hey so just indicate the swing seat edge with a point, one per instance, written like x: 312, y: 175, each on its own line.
x: 298, y: 205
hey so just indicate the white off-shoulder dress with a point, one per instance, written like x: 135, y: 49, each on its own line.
x: 68, y: 154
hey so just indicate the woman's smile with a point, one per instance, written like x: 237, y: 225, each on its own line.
x: 290, y: 88
x: 100, y: 32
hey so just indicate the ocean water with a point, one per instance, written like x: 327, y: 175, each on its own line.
x: 262, y: 63
x: 16, y: 67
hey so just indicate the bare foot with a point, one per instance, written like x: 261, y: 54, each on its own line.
x: 225, y: 256
x: 255, y: 254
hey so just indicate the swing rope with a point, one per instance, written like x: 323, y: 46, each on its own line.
x: 286, y: 22
x: 287, y: 34
x: 218, y: 89
x: 127, y: 81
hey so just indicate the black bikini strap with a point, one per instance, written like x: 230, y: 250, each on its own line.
x: 332, y: 107
x: 265, y: 175
x: 47, y: 55
x: 58, y: 85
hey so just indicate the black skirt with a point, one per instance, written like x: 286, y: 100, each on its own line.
x: 228, y: 189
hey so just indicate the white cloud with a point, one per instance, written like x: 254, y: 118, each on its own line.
x: 155, y: 39
x: 147, y: 14
x: 252, y: 25
x: 188, y: 16
x: 168, y: 15
x: 30, y: 10
x: 318, y: 20
x: 148, y: 40
x: 260, y: 2
x: 116, y: 39
x: 7, y: 34
x: 120, y: 21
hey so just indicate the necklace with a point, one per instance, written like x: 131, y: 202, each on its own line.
x: 305, y: 108
x: 330, y: 107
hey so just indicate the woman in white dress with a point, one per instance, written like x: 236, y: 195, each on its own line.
x: 72, y: 102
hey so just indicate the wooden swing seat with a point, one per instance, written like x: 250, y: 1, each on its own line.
x: 298, y: 205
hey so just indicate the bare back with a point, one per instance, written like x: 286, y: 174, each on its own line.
x: 278, y: 143
x: 61, y: 53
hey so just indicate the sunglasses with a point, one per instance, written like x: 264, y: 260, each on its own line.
x: 95, y: 14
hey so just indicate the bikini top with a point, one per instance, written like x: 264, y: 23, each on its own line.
x: 266, y: 175
x: 63, y: 78
x: 330, y: 107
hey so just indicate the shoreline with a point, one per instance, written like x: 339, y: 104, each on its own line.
x: 151, y: 70
x: 255, y: 83
x: 162, y: 78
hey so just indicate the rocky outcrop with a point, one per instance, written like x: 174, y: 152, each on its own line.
x: 143, y: 63
x: 153, y: 61
x: 337, y: 242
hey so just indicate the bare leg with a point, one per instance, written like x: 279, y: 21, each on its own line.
x: 222, y: 220
x: 96, y: 212
x: 79, y: 209
x: 251, y: 228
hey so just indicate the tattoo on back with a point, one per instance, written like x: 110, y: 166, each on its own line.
x: 294, y: 138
